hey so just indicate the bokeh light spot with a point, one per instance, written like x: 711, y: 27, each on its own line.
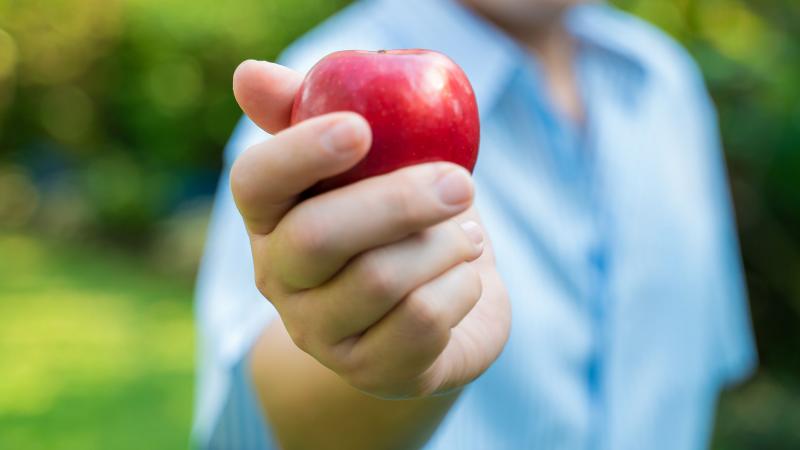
x: 8, y: 55
x: 19, y: 197
x: 174, y: 85
x: 67, y: 113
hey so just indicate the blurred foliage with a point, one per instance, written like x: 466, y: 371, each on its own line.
x: 113, y: 114
x: 118, y: 109
x: 96, y: 351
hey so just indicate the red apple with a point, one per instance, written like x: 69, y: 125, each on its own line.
x: 419, y: 104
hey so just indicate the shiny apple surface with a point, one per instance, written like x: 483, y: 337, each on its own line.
x: 419, y: 104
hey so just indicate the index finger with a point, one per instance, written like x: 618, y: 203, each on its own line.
x: 265, y: 91
x: 267, y: 178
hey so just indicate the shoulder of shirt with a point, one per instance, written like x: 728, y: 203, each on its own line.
x: 661, y: 56
x: 350, y: 28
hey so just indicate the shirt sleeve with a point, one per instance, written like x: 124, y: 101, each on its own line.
x: 737, y: 351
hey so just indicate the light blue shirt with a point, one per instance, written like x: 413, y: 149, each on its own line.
x: 615, y: 239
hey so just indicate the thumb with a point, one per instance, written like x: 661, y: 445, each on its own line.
x: 265, y: 91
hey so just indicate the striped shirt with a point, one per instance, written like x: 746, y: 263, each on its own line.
x: 615, y: 239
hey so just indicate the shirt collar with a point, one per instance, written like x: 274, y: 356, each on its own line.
x: 599, y: 25
x: 488, y: 55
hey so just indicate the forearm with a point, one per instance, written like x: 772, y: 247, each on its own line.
x: 309, y: 406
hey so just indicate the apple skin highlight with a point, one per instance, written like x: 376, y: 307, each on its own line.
x: 419, y: 104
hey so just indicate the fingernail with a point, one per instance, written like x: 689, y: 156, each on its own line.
x: 474, y: 232
x: 342, y: 137
x: 454, y: 187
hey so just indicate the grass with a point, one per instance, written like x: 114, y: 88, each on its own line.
x: 96, y: 352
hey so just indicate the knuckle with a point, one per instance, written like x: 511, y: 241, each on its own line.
x: 300, y: 336
x: 263, y: 282
x: 356, y: 370
x: 378, y: 278
x: 242, y: 188
x: 305, y: 327
x: 264, y: 279
x: 267, y: 279
x: 348, y: 364
x: 307, y: 238
x: 359, y: 371
x: 422, y: 317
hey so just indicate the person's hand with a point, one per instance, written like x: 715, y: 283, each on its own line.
x: 389, y: 282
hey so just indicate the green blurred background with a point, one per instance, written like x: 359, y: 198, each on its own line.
x: 113, y: 114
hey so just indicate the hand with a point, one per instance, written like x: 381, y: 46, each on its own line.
x: 389, y: 282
